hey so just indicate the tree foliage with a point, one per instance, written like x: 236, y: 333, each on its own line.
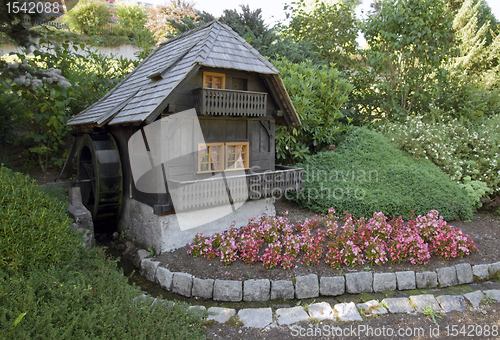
x: 89, y: 16
x: 131, y: 18
x: 317, y: 93
x: 330, y: 29
x: 12, y: 24
x: 409, y: 40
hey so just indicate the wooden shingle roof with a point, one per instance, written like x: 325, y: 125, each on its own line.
x: 143, y: 94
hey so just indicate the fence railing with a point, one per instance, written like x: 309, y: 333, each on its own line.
x: 217, y: 102
x: 188, y: 195
x: 57, y: 22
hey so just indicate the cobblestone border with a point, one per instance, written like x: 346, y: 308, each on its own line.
x: 309, y: 286
x: 346, y: 312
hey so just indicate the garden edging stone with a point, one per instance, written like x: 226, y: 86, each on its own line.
x: 311, y: 286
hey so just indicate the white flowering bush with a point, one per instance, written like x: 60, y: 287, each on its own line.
x: 467, y: 153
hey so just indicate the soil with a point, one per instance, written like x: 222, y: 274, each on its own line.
x: 484, y: 230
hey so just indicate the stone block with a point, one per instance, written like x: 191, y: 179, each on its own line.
x: 282, y: 289
x: 332, y: 286
x: 321, y: 311
x: 474, y: 298
x: 139, y: 256
x: 164, y: 278
x: 424, y: 301
x: 288, y: 316
x: 182, y: 284
x: 480, y: 272
x: 347, y: 312
x: 464, y: 273
x: 406, y: 280
x: 372, y: 307
x: 452, y: 302
x: 228, y: 290
x: 398, y: 305
x: 493, y: 294
x: 426, y: 280
x: 384, y: 281
x: 219, y: 314
x: 255, y: 317
x: 148, y: 269
x: 447, y: 276
x: 306, y: 286
x: 359, y: 282
x: 203, y: 288
x: 494, y: 269
x: 256, y: 290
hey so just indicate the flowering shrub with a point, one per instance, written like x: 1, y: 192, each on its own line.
x: 465, y: 153
x: 355, y: 242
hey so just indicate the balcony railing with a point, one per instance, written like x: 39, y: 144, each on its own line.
x: 188, y: 195
x: 217, y: 102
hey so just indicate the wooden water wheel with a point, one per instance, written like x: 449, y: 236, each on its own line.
x: 100, y: 177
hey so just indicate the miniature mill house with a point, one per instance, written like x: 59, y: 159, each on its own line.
x: 186, y: 142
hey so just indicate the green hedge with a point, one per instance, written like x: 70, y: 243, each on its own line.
x: 53, y: 288
x: 35, y: 228
x: 366, y: 174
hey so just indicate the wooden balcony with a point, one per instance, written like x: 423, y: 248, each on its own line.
x: 189, y: 195
x: 217, y: 102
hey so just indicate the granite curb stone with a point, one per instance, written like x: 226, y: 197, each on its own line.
x: 474, y: 298
x: 452, y: 302
x: 398, y: 305
x: 221, y: 315
x: 282, y: 289
x: 480, y: 271
x: 348, y: 312
x: 332, y: 285
x: 384, y: 282
x: 359, y: 282
x: 306, y: 286
x: 182, y: 283
x: 203, y: 288
x: 494, y: 268
x: 406, y: 280
x: 256, y: 290
x: 372, y: 307
x: 422, y: 301
x: 164, y: 278
x: 288, y: 316
x: 464, y: 273
x: 447, y: 276
x: 256, y: 317
x: 493, y: 294
x: 148, y: 269
x: 321, y: 311
x: 426, y: 280
x: 228, y: 290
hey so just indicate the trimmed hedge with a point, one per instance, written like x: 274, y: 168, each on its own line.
x: 35, y: 229
x: 366, y: 174
x: 53, y: 288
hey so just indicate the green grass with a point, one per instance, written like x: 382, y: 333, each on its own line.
x: 366, y: 174
x: 52, y: 288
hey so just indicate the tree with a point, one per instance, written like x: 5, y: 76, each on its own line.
x: 330, y: 29
x: 409, y: 41
x: 318, y: 94
x: 159, y: 17
x: 131, y: 17
x: 89, y: 16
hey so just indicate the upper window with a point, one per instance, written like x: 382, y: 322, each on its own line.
x: 214, y: 80
x: 213, y: 157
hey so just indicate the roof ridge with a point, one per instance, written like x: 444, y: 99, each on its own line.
x: 184, y: 34
x: 213, y: 43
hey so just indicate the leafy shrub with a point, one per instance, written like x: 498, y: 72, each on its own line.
x: 317, y: 93
x: 87, y: 298
x: 131, y: 17
x: 89, y: 16
x: 366, y: 173
x: 10, y: 109
x: 35, y: 228
x: 461, y: 150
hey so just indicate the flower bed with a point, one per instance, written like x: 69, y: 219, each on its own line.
x: 337, y: 241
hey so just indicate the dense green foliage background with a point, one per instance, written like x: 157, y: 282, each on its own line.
x: 52, y: 288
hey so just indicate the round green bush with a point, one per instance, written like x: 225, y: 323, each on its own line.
x: 366, y: 174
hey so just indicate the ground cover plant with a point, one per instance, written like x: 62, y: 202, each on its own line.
x: 467, y: 152
x: 52, y: 288
x: 274, y: 241
x: 365, y: 173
